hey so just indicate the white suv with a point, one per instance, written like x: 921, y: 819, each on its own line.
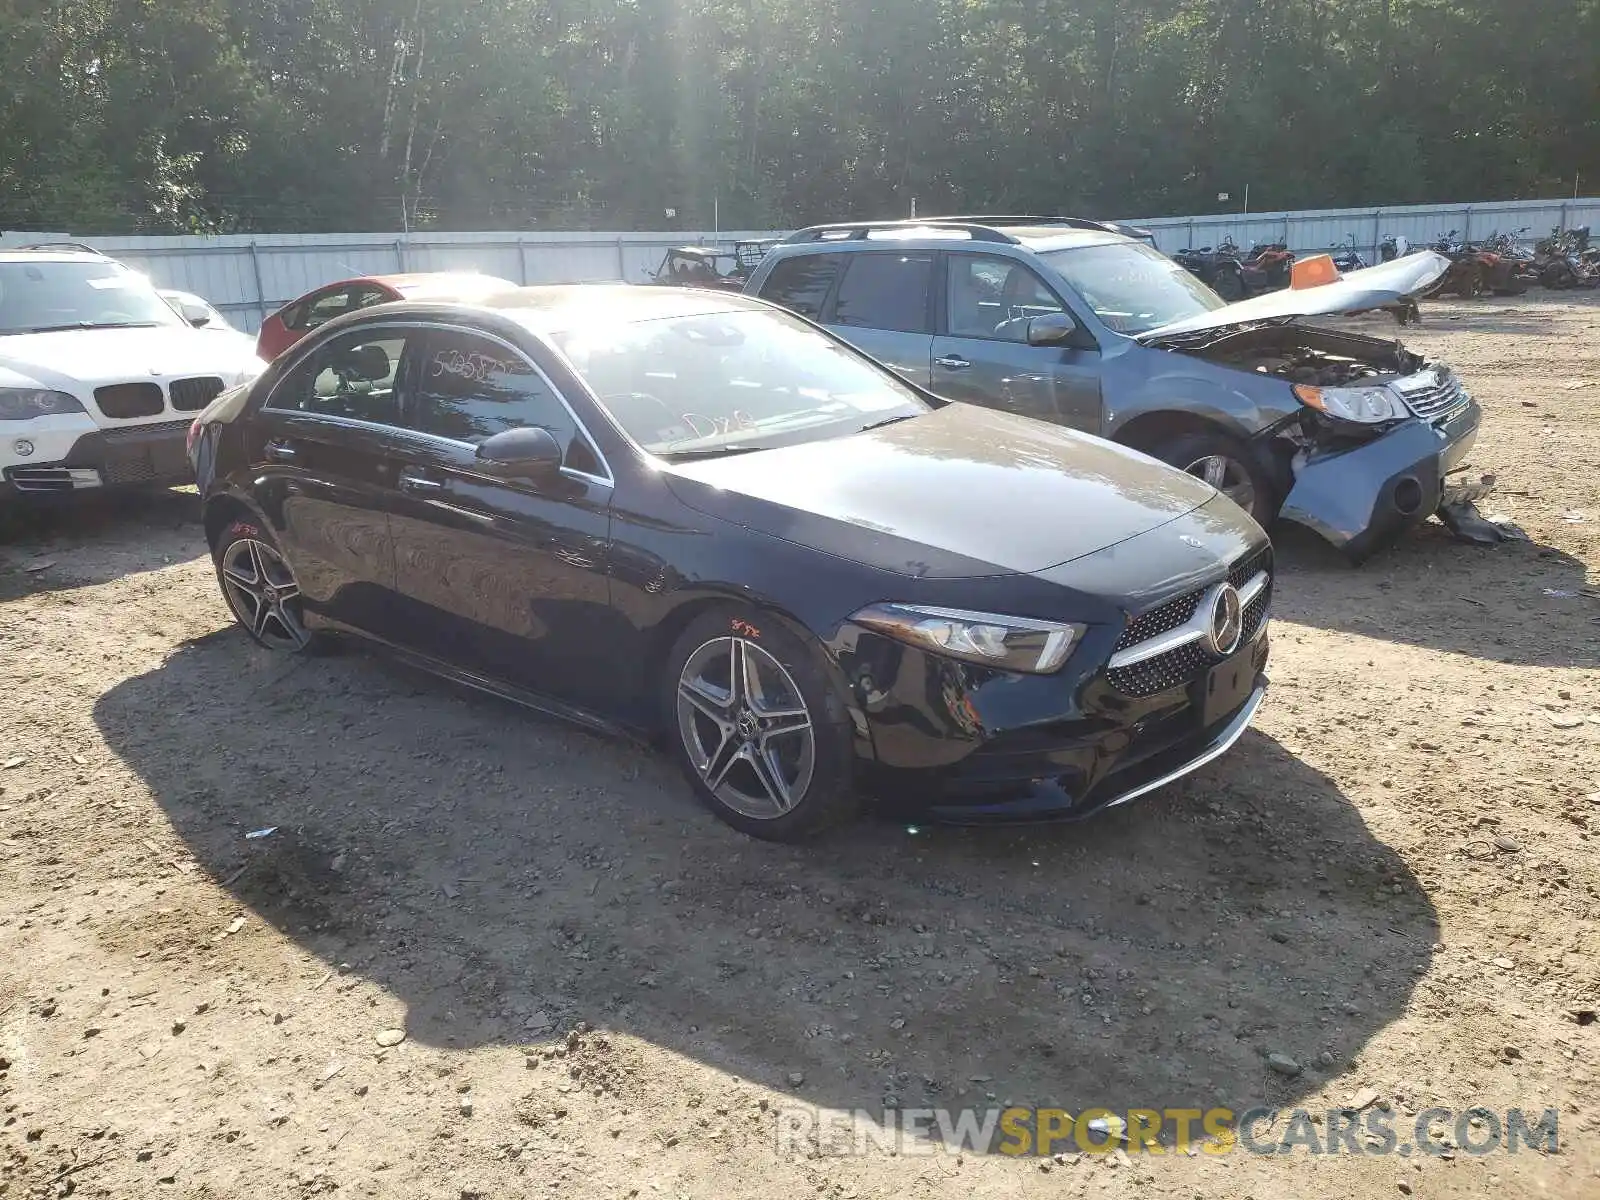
x: 99, y: 376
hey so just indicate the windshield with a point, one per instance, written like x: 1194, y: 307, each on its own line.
x: 719, y: 383
x: 1133, y: 287
x: 38, y: 297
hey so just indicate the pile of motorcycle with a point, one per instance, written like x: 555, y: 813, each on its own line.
x: 1235, y: 275
x: 1503, y: 265
x: 1566, y: 260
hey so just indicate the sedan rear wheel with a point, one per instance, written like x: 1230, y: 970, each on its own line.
x: 760, y: 732
x: 261, y: 590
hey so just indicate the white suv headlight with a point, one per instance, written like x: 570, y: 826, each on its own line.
x: 1006, y: 643
x: 1366, y: 405
x: 24, y: 404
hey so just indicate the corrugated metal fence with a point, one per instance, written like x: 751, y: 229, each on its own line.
x: 1313, y: 230
x: 250, y: 275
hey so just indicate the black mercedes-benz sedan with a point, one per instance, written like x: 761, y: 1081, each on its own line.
x: 697, y: 517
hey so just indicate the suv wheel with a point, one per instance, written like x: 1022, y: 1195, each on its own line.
x: 1227, y: 465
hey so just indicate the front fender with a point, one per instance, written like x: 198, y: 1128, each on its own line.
x: 1145, y: 382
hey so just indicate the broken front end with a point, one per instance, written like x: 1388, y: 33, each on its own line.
x: 1376, y: 443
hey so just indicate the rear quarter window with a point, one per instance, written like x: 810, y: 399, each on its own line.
x: 801, y: 284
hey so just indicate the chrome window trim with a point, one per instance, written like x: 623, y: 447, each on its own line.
x: 607, y: 480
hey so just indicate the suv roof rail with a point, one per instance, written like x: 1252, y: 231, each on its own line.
x: 983, y: 227
x: 63, y: 247
x: 848, y: 231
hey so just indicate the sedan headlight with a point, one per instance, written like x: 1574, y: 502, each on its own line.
x: 24, y: 404
x: 1007, y: 643
x: 1366, y: 405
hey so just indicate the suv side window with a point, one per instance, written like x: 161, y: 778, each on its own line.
x: 470, y: 388
x: 356, y: 375
x: 802, y: 283
x: 886, y: 291
x: 993, y: 297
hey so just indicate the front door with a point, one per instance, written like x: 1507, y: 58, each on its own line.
x: 322, y: 452
x: 504, y: 577
x: 982, y: 355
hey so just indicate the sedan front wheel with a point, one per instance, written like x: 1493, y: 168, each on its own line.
x: 760, y: 732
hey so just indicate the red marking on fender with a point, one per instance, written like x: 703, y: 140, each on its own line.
x: 247, y: 529
x: 743, y: 627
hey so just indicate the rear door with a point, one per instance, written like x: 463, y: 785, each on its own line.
x: 504, y: 578
x: 981, y: 354
x: 322, y: 445
x: 884, y: 303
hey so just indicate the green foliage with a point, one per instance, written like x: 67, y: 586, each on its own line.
x: 205, y: 115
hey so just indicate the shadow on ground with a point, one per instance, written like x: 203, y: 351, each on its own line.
x: 491, y: 870
x: 1516, y: 602
x: 96, y: 539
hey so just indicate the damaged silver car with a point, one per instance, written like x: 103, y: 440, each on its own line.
x: 1074, y: 322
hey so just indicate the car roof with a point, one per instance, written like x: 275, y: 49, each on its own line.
x: 37, y: 256
x: 555, y: 308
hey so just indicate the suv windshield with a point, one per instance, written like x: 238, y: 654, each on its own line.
x: 1133, y: 287
x: 39, y: 297
x: 720, y: 383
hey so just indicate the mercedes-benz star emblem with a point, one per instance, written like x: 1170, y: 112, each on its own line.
x: 1227, y: 620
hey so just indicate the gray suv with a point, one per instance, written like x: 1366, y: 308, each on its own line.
x: 1085, y: 324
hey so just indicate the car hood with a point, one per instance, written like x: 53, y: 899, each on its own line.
x: 960, y: 492
x: 73, y: 358
x: 1371, y: 287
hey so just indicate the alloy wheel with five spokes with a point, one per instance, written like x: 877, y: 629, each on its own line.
x: 263, y: 593
x: 746, y: 728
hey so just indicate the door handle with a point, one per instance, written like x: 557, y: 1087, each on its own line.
x: 952, y: 362
x: 410, y: 482
x: 281, y: 451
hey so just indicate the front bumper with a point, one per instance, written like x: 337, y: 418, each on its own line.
x: 965, y: 745
x: 78, y: 460
x: 1361, y: 497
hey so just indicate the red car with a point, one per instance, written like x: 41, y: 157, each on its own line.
x: 294, y: 320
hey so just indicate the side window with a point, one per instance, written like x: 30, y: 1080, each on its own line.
x: 319, y: 310
x: 471, y: 388
x: 355, y: 375
x: 366, y: 297
x: 886, y: 291
x: 801, y: 283
x: 991, y: 297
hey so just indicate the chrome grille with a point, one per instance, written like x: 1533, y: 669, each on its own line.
x: 1429, y: 395
x: 1158, y: 620
x: 1173, y: 669
x: 1185, y: 663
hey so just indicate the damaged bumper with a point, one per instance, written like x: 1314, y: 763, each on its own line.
x: 1360, y: 497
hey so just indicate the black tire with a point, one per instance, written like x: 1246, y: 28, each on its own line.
x: 826, y: 795
x: 1230, y: 285
x: 268, y: 610
x: 1187, y: 451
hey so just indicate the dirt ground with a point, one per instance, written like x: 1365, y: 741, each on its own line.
x: 1392, y: 881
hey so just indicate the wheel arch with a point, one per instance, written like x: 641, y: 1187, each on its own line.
x: 222, y: 508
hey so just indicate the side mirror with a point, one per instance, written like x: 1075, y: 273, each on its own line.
x: 197, y: 317
x: 1051, y: 329
x: 530, y: 452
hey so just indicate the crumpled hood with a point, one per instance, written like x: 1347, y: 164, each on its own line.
x: 1371, y: 287
x: 960, y: 492
x: 73, y: 359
